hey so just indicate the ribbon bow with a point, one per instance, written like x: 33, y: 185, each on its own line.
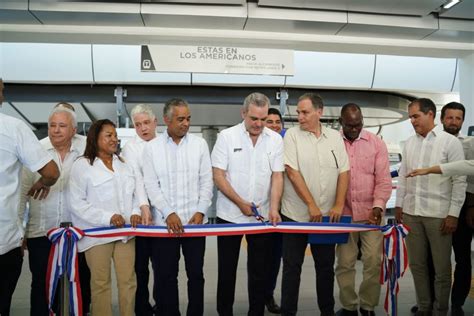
x: 395, y: 263
x: 63, y: 260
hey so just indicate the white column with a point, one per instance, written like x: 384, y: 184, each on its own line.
x: 466, y: 89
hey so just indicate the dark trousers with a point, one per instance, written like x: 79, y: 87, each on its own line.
x: 258, y: 259
x: 143, y: 255
x: 294, y: 247
x: 38, y: 255
x: 462, y: 238
x: 166, y: 255
x: 10, y: 270
x: 277, y: 251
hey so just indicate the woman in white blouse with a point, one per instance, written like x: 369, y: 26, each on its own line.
x: 102, y: 190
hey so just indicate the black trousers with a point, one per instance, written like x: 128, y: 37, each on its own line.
x: 294, y: 247
x: 277, y: 252
x: 10, y: 270
x: 258, y: 274
x: 38, y: 255
x: 143, y: 255
x: 462, y: 238
x: 166, y: 255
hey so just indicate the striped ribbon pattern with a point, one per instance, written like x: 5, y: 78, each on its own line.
x: 63, y: 260
x: 394, y: 264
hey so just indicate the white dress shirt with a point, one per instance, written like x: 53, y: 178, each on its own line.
x: 18, y: 146
x: 50, y: 212
x: 132, y: 152
x: 178, y: 177
x: 97, y: 193
x: 248, y: 169
x: 431, y: 195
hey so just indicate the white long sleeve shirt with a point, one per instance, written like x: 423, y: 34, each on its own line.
x: 248, y: 169
x: 18, y: 146
x: 56, y: 208
x: 97, y: 193
x: 431, y: 195
x: 178, y: 178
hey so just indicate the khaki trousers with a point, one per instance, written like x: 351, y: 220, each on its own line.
x: 98, y: 259
x: 369, y: 289
x: 425, y: 232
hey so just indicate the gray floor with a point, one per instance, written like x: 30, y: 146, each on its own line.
x: 307, y: 302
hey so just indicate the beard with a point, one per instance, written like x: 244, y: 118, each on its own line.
x: 453, y: 130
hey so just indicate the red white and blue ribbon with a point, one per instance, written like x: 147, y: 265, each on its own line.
x: 231, y: 229
x: 394, y: 264
x: 63, y: 260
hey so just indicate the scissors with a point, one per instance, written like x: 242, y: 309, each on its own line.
x: 257, y: 214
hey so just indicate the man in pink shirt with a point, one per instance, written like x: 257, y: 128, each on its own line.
x: 369, y: 189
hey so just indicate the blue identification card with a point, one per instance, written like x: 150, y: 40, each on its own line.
x: 339, y: 238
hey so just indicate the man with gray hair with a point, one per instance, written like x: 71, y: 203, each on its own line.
x: 316, y: 181
x: 178, y: 179
x: 64, y: 146
x: 247, y: 162
x: 144, y: 121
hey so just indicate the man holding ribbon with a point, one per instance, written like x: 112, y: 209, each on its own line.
x: 317, y: 176
x: 370, y: 186
x: 178, y: 179
x: 144, y: 121
x: 64, y: 146
x: 247, y: 162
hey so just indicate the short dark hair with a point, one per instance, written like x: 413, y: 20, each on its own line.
x: 426, y: 105
x: 453, y: 106
x: 171, y: 104
x: 315, y: 99
x: 92, y: 148
x: 350, y: 106
x: 275, y: 112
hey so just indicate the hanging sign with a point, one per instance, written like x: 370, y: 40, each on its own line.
x: 217, y: 59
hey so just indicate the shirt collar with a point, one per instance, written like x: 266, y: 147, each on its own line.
x: 169, y: 139
x: 362, y: 135
x: 49, y: 146
x: 324, y: 130
x: 265, y: 131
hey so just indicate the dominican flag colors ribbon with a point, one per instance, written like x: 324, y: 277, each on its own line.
x: 394, y: 264
x: 63, y: 260
x: 230, y: 229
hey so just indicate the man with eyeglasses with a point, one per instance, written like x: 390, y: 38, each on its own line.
x: 370, y: 186
x: 316, y: 180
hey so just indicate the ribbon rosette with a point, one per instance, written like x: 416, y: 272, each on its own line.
x: 63, y: 260
x: 395, y: 263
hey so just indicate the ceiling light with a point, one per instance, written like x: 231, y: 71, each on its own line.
x: 450, y: 4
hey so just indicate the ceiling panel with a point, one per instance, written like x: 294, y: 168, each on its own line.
x: 16, y: 12
x: 403, y: 27
x: 454, y: 30
x: 294, y: 20
x: 238, y: 80
x: 405, y: 7
x: 7, y: 109
x: 225, y: 2
x: 193, y: 16
x: 462, y: 10
x: 87, y: 13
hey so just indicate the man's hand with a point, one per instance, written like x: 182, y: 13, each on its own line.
x: 399, y: 215
x: 173, y: 222
x: 315, y: 214
x: 246, y: 208
x: 375, y: 217
x: 117, y: 220
x: 449, y: 225
x: 418, y: 172
x: 196, y: 219
x: 39, y: 190
x: 147, y: 218
x: 24, y: 246
x: 135, y: 220
x: 274, y: 217
x: 470, y: 217
x: 335, y: 214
